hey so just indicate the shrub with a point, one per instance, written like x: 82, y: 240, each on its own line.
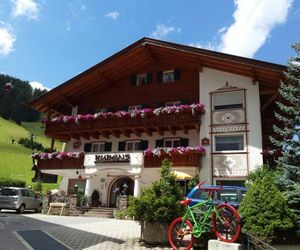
x: 264, y: 209
x: 38, y: 187
x: 159, y: 202
x: 121, y: 214
x: 7, y: 182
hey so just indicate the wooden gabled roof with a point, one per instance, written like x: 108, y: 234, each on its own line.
x: 143, y: 52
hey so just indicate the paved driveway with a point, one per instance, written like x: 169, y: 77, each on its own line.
x: 71, y: 232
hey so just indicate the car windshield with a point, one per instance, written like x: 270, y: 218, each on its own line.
x: 8, y: 192
x: 200, y: 194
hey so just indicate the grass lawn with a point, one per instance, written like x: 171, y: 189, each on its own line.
x: 15, y: 160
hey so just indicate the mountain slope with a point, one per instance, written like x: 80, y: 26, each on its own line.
x: 15, y: 160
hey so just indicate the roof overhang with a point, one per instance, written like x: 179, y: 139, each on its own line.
x: 146, y: 51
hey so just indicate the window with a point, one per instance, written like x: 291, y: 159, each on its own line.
x: 135, y: 107
x: 229, y: 142
x: 132, y: 145
x: 98, y: 147
x: 168, y: 76
x: 102, y: 110
x: 141, y: 79
x: 172, y: 142
x: 170, y: 104
x: 228, y: 100
x: 8, y: 192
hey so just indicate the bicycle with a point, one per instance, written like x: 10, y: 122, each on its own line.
x: 225, y: 221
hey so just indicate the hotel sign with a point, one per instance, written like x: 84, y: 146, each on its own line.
x: 112, y: 158
x: 109, y: 159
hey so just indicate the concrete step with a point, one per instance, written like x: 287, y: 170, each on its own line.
x: 105, y: 212
x: 98, y: 215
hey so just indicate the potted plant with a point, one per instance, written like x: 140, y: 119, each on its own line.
x: 157, y: 206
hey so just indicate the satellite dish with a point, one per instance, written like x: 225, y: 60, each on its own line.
x: 8, y: 86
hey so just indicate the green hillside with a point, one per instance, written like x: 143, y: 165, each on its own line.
x: 15, y: 160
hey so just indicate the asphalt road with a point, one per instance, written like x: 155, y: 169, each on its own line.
x: 13, y: 224
x: 47, y: 232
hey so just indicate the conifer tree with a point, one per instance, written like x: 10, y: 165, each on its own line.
x: 289, y: 132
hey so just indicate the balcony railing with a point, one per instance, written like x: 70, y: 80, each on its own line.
x: 63, y: 163
x: 87, y: 126
x: 187, y: 160
x: 75, y: 160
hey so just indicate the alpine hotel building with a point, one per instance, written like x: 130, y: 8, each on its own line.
x: 210, y: 113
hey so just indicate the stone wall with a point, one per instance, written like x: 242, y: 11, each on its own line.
x: 70, y: 207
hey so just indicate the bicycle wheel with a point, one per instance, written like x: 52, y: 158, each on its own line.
x: 226, y: 223
x: 180, y: 234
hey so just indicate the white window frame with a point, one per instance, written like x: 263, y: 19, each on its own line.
x: 135, y: 144
x: 165, y: 76
x: 99, y: 144
x: 224, y: 93
x: 172, y: 140
x: 135, y: 107
x: 140, y: 78
x: 230, y: 151
x: 171, y: 104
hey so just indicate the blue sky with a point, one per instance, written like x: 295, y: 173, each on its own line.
x: 49, y: 41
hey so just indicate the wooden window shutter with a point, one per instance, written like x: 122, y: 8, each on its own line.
x: 121, y: 146
x: 87, y: 147
x: 184, y: 142
x: 159, y: 76
x: 149, y: 78
x: 107, y: 146
x: 133, y: 80
x: 159, y: 143
x: 177, y: 74
x: 144, y: 144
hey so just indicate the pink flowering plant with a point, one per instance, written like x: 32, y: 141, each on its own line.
x: 57, y: 155
x: 194, y: 109
x: 174, y: 151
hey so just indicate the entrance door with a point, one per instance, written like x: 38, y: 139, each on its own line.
x: 120, y: 186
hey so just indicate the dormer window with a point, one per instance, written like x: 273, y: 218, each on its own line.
x: 169, y: 76
x: 228, y: 100
x: 141, y: 79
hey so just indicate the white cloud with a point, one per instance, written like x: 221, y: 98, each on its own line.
x: 163, y: 30
x: 38, y: 85
x: 7, y: 39
x: 209, y: 45
x: 253, y: 23
x: 83, y: 7
x: 26, y: 8
x: 114, y: 15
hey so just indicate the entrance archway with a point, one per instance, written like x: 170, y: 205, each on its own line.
x: 118, y: 187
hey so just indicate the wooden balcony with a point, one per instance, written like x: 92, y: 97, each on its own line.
x: 64, y: 163
x: 185, y: 160
x: 125, y: 125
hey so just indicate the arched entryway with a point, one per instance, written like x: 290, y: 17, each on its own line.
x: 119, y: 186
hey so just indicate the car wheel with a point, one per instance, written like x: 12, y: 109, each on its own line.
x: 39, y: 209
x: 21, y: 209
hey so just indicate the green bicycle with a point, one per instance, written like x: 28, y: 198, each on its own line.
x: 200, y: 218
